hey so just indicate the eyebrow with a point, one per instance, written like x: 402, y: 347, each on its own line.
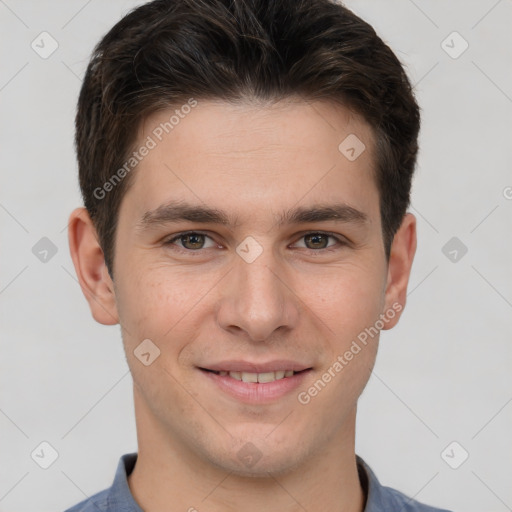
x: 179, y: 211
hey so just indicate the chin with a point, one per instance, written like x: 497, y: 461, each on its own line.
x: 258, y: 459
x: 263, y: 469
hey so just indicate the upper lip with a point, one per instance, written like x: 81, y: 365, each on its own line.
x: 253, y: 367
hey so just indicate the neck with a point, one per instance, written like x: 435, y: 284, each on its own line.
x: 167, y: 474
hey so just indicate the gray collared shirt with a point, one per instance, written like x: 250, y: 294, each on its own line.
x: 118, y: 498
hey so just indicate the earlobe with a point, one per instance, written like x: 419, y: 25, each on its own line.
x: 90, y: 267
x: 401, y: 258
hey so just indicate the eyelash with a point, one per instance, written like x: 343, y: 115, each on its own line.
x: 340, y: 242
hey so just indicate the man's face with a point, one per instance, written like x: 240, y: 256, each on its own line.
x: 257, y: 294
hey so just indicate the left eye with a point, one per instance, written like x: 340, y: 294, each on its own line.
x: 318, y: 240
x: 194, y: 241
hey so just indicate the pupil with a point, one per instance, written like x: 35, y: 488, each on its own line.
x: 194, y: 240
x: 315, y: 238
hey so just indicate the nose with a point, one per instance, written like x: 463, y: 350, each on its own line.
x: 258, y: 299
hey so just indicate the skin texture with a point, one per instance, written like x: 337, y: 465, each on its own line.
x: 296, y: 301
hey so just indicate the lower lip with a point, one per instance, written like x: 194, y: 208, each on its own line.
x: 256, y: 392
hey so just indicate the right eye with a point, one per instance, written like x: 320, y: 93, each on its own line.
x: 191, y: 241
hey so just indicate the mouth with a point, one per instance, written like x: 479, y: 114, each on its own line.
x: 261, y: 378
x: 272, y: 383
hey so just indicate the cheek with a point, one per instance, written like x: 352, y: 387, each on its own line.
x: 148, y: 304
x: 164, y: 305
x: 346, y: 298
x: 153, y: 306
x: 348, y: 355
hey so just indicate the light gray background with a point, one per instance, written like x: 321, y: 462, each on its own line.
x: 442, y: 375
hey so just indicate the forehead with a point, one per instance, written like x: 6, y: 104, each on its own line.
x: 216, y: 126
x: 254, y: 157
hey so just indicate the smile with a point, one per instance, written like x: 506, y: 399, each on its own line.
x: 256, y: 387
x: 261, y: 378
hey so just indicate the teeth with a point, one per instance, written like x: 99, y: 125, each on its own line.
x: 266, y: 377
x: 258, y: 377
x: 249, y: 377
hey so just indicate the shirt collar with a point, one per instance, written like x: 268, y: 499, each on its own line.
x: 120, y: 498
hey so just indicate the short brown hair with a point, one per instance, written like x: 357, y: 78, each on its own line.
x: 165, y: 52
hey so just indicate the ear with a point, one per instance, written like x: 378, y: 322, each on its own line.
x: 401, y: 257
x: 90, y: 267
